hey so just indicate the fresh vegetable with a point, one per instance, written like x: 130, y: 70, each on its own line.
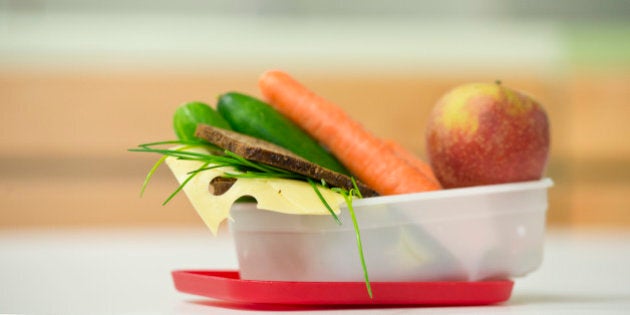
x: 255, y: 118
x: 413, y: 160
x: 188, y: 115
x: 348, y: 195
x: 362, y: 153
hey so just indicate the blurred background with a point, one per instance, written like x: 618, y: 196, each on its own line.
x: 83, y: 81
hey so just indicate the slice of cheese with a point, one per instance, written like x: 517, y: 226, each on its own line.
x: 272, y: 194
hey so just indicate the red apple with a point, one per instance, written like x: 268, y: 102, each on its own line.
x: 486, y: 133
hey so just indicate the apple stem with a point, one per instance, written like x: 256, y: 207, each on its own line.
x: 497, y: 82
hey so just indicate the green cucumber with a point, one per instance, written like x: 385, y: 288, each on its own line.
x: 255, y: 118
x: 188, y: 115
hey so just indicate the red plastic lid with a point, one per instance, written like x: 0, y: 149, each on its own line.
x: 227, y: 286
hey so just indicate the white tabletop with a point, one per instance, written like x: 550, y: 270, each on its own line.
x: 128, y: 272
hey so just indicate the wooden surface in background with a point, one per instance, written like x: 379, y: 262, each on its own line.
x: 63, y: 160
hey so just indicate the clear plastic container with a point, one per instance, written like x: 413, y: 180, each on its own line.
x: 465, y: 234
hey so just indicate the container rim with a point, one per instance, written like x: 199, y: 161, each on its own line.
x: 454, y: 192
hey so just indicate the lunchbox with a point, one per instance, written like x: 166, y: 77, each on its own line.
x: 463, y: 234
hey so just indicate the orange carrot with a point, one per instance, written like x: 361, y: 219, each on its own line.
x: 412, y: 159
x: 366, y: 156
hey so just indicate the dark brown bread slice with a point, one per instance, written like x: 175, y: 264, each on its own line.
x: 219, y: 185
x: 258, y: 150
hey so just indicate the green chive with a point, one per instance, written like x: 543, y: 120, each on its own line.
x: 319, y: 194
x: 181, y: 186
x: 150, y: 174
x: 359, y: 244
